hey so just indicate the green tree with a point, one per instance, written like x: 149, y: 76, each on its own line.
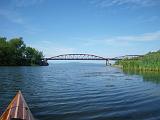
x: 4, y: 50
x: 15, y: 52
x: 33, y: 56
x: 17, y: 48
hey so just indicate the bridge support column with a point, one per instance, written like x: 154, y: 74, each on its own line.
x: 107, y: 62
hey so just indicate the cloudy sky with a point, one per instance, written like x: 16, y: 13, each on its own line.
x: 106, y: 28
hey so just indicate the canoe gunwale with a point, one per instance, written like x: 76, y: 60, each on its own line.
x: 17, y: 109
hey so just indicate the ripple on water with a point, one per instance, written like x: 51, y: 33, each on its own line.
x: 81, y: 92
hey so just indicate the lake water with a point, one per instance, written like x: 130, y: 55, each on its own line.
x: 76, y: 91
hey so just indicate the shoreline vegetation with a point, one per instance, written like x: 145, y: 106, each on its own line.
x: 14, y: 52
x: 148, y: 62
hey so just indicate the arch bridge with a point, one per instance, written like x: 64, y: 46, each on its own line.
x: 88, y: 57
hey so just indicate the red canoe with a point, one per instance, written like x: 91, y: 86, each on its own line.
x: 17, y: 109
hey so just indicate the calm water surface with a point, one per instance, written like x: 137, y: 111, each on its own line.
x: 82, y: 92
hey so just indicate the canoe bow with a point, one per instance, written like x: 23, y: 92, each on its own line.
x: 17, y: 109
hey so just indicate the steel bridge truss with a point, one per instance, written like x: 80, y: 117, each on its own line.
x: 89, y: 57
x: 76, y: 57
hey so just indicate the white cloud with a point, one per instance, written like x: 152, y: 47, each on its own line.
x: 25, y: 3
x: 143, y: 19
x: 10, y: 12
x: 125, y: 40
x: 11, y: 16
x: 139, y: 38
x: 135, y: 3
x: 15, y: 17
x: 50, y: 48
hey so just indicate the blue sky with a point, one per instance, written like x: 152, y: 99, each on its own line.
x: 106, y: 28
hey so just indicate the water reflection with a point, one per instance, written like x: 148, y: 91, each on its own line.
x: 149, y: 76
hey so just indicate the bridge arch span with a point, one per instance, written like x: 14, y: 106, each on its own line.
x: 87, y: 57
x: 76, y: 57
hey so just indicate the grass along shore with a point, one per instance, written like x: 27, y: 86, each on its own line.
x: 149, y: 62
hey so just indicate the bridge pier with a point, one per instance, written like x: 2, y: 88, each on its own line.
x: 107, y: 62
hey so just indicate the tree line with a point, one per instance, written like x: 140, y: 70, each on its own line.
x: 148, y: 62
x: 14, y: 52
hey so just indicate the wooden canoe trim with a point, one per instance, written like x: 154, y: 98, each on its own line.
x: 17, y: 109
